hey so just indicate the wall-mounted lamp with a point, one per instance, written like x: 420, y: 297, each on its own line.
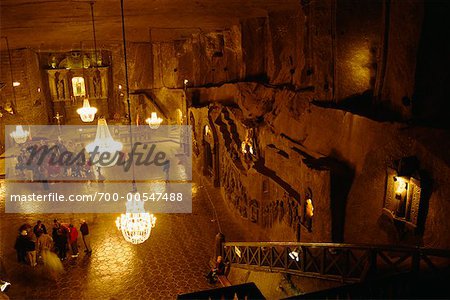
x: 401, y: 186
x: 207, y: 130
x: 309, y: 208
x: 16, y: 83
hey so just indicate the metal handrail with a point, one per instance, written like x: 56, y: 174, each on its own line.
x: 437, y: 251
x: 335, y: 261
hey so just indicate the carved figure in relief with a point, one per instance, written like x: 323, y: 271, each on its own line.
x: 275, y: 210
x: 97, y: 82
x: 61, y: 90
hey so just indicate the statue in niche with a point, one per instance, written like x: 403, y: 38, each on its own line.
x: 56, y: 82
x: 69, y: 76
x: 53, y: 62
x: 99, y: 59
x: 97, y: 83
x: 61, y: 90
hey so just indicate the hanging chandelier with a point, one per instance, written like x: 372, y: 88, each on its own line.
x: 154, y: 121
x: 20, y: 136
x: 87, y: 113
x: 136, y: 224
x: 104, y: 143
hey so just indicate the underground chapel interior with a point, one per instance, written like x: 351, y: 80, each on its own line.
x: 224, y: 149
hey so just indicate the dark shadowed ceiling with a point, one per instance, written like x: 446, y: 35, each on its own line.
x: 64, y: 24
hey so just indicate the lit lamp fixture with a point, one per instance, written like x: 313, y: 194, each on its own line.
x: 16, y: 83
x: 247, y: 147
x: 136, y: 225
x: 309, y: 208
x: 105, y: 143
x: 20, y: 136
x: 154, y: 121
x: 207, y: 130
x: 401, y: 187
x: 87, y: 113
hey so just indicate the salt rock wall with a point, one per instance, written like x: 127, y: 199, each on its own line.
x: 357, y: 37
x: 31, y: 104
x: 285, y: 59
x: 364, y: 146
x: 203, y: 58
x: 266, y: 192
x: 404, y: 28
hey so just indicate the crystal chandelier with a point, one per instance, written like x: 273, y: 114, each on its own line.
x: 154, y: 121
x: 87, y: 113
x: 105, y: 143
x: 20, y: 136
x: 136, y: 224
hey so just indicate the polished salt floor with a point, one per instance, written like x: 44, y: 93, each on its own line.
x: 172, y: 261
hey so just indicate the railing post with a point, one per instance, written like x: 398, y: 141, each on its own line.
x: 220, y: 239
x: 247, y: 255
x: 371, y: 269
x: 346, y: 266
x: 415, y: 267
x: 303, y: 259
x: 259, y: 256
x: 286, y: 257
x: 271, y: 258
x: 323, y: 260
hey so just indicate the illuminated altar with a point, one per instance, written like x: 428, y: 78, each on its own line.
x: 75, y: 78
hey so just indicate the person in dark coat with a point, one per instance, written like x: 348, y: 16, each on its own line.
x: 84, y: 229
x: 21, y: 246
x: 39, y: 229
x: 56, y: 226
x: 61, y: 243
x: 219, y: 269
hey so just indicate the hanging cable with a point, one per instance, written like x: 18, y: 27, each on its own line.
x: 93, y: 30
x: 11, y: 71
x: 127, y: 88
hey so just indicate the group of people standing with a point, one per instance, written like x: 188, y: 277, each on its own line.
x: 37, y: 168
x: 35, y: 243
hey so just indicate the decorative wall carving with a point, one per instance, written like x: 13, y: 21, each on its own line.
x: 61, y: 83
